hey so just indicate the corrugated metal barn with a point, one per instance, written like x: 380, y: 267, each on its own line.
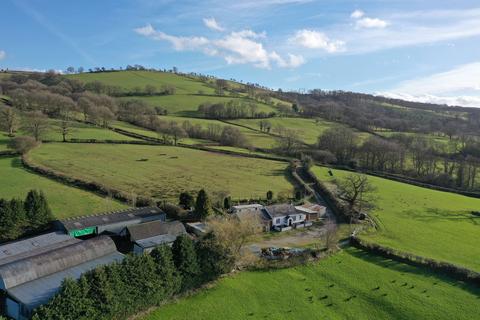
x: 146, y: 236
x: 109, y: 223
x: 32, y: 270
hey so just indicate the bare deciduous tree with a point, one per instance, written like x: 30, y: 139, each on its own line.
x: 9, y: 120
x: 234, y: 232
x: 357, y: 191
x: 36, y: 124
x: 330, y: 236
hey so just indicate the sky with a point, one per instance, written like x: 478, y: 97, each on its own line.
x: 423, y: 50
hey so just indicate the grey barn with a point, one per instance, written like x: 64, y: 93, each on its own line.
x: 32, y: 270
x: 110, y: 222
x: 146, y: 236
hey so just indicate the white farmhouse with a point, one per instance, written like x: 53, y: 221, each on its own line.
x: 285, y: 217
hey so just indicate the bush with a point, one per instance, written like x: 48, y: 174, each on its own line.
x: 22, y: 145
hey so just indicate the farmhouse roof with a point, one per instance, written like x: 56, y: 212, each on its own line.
x: 280, y: 210
x: 311, y: 208
x: 28, y: 247
x: 155, y: 228
x: 248, y: 206
x: 111, y: 218
x: 46, y: 263
x: 262, y: 214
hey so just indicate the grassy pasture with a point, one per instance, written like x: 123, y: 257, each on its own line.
x: 64, y: 201
x: 132, y: 79
x: 309, y: 129
x: 187, y: 104
x: 349, y: 285
x: 163, y: 171
x: 82, y: 131
x: 422, y: 221
x: 255, y: 138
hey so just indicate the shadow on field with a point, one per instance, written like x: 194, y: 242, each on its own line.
x: 405, y: 268
x: 16, y: 163
x: 434, y: 214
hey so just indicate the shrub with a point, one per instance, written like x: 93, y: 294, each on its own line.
x: 22, y: 145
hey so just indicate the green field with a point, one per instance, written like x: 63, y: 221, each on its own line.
x: 187, y: 104
x: 350, y: 285
x: 163, y: 171
x: 77, y: 131
x: 422, y: 221
x: 82, y: 131
x: 132, y: 79
x: 65, y: 201
x: 308, y: 129
x: 149, y: 133
x: 254, y: 138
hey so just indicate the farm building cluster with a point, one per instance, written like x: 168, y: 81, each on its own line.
x: 32, y: 270
x: 281, y: 217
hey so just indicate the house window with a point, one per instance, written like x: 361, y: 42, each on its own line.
x: 278, y: 221
x: 294, y: 218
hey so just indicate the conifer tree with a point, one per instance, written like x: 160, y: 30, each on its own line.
x: 213, y: 258
x: 203, y: 207
x: 171, y: 280
x: 37, y: 210
x: 185, y: 259
x: 186, y: 200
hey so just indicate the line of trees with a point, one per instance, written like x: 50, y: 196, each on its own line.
x: 232, y: 109
x: 455, y: 163
x: 117, y: 91
x: 119, y: 290
x: 21, y: 217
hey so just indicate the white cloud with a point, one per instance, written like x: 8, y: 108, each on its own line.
x: 464, y: 78
x: 179, y: 43
x: 463, y: 101
x: 366, y: 22
x: 317, y: 40
x: 293, y: 60
x: 3, y: 54
x: 239, y: 47
x: 458, y: 86
x: 357, y: 14
x: 211, y: 23
x: 371, y: 23
x: 410, y: 29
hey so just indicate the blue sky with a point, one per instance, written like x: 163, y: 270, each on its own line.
x: 422, y: 50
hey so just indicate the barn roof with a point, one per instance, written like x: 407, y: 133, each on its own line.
x: 46, y: 263
x: 155, y: 228
x: 262, y: 215
x: 280, y: 210
x: 311, y: 208
x: 247, y: 206
x: 37, y: 292
x: 22, y: 249
x: 111, y: 218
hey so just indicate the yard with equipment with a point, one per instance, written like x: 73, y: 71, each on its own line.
x: 425, y: 222
x: 64, y: 201
x: 164, y: 172
x: 350, y: 285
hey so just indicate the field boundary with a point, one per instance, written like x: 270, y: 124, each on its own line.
x: 404, y: 179
x: 338, y: 208
x: 452, y: 270
x: 89, y: 186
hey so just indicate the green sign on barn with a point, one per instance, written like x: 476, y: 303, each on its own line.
x: 83, y: 232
